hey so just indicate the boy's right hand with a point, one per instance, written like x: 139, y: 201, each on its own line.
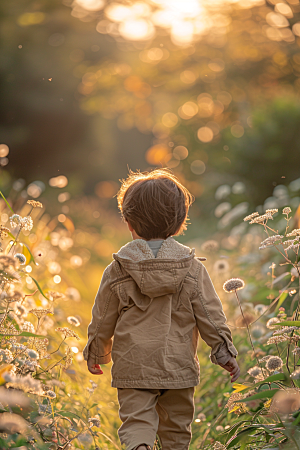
x: 232, y: 367
x: 95, y: 369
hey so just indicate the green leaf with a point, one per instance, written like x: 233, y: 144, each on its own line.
x: 281, y: 300
x: 288, y: 323
x: 24, y: 333
x: 39, y: 288
x: 7, y: 202
x: 93, y: 405
x: 28, y: 255
x: 240, y: 436
x: 263, y: 394
x: 272, y: 378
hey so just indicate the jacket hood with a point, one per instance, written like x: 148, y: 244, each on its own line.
x: 156, y: 276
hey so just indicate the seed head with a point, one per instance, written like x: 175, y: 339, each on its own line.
x: 73, y: 321
x: 27, y: 223
x: 50, y: 394
x: 34, y: 203
x: 67, y: 332
x: 271, y: 322
x: 218, y: 445
x: 274, y: 363
x: 20, y: 257
x: 15, y: 220
x: 95, y: 421
x: 3, y: 232
x: 254, y: 371
x: 210, y: 246
x: 251, y: 216
x: 38, y: 312
x: 234, y: 284
x: 296, y: 374
x: 32, y: 354
x: 287, y: 210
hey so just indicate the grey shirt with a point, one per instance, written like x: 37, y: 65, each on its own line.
x: 155, y: 245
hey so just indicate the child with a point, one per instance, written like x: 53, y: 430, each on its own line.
x: 154, y: 299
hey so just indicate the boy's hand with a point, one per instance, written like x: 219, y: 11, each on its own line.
x: 232, y: 367
x: 95, y: 369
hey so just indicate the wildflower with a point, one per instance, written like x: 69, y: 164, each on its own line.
x: 285, y: 330
x: 296, y: 351
x: 13, y: 423
x: 73, y: 321
x: 32, y: 354
x: 14, y: 297
x: 218, y: 445
x: 254, y: 371
x: 39, y: 313
x: 69, y: 357
x: 27, y: 223
x: 20, y: 310
x: 25, y: 383
x: 251, y: 216
x: 95, y: 421
x: 295, y: 232
x: 277, y: 339
x: 296, y: 374
x: 271, y: 211
x: 265, y: 358
x: 27, y: 326
x: 21, y: 258
x: 221, y: 266
x: 35, y: 203
x: 271, y: 322
x: 8, y: 263
x: 210, y: 246
x: 261, y: 219
x: 220, y: 428
x: 50, y: 394
x: 30, y: 365
x: 202, y: 417
x: 6, y: 356
x: 234, y: 284
x: 94, y: 385
x: 3, y: 232
x: 270, y: 241
x: 293, y: 246
x: 15, y: 220
x: 274, y: 363
x: 53, y: 295
x: 287, y: 210
x: 232, y: 405
x: 67, y: 332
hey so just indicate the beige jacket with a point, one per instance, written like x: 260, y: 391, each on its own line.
x: 154, y: 308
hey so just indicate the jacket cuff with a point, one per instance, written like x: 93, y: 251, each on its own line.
x: 91, y: 352
x: 224, y: 352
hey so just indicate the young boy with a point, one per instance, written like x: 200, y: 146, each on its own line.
x: 154, y: 299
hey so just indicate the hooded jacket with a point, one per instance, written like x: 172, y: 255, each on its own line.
x: 148, y: 314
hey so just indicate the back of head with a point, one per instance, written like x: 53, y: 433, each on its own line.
x: 155, y: 203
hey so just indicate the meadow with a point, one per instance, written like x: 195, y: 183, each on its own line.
x: 50, y: 269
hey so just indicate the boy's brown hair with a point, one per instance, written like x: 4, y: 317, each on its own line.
x: 155, y: 203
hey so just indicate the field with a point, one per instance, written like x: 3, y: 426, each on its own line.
x: 50, y: 270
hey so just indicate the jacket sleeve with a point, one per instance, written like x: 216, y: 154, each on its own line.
x: 211, y: 320
x: 104, y: 318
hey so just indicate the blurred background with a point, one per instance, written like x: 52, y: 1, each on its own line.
x: 210, y: 88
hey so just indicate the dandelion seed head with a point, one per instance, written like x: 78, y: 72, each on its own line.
x: 73, y: 321
x: 32, y: 354
x: 15, y: 220
x: 234, y: 284
x: 21, y: 258
x: 95, y: 421
x: 254, y: 371
x: 271, y: 323
x: 221, y: 266
x: 50, y: 394
x: 274, y: 363
x: 210, y: 246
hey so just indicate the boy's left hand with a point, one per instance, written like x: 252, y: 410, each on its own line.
x: 232, y: 367
x: 95, y: 369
